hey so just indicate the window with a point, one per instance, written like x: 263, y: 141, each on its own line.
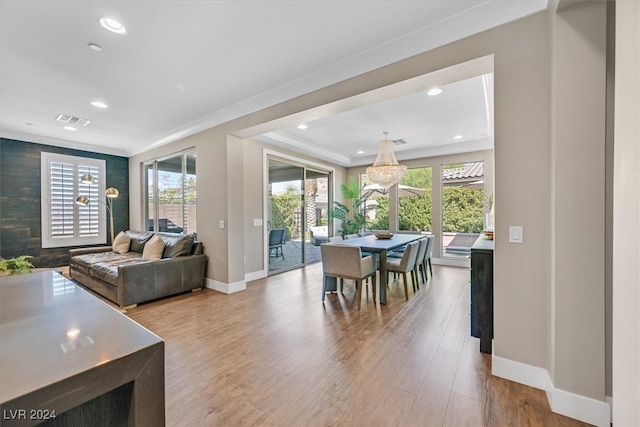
x: 170, y: 184
x: 63, y: 222
x: 462, y: 207
x: 414, y: 192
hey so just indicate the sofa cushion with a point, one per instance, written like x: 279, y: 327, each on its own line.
x: 176, y: 244
x: 121, y: 243
x: 153, y: 249
x: 85, y: 262
x: 138, y: 239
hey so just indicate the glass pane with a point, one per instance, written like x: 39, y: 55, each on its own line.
x: 376, y: 204
x: 414, y: 196
x: 170, y: 195
x: 149, y: 205
x: 286, y: 215
x: 317, y: 209
x: 462, y: 207
x: 190, y: 199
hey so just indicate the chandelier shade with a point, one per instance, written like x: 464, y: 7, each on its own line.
x: 386, y: 170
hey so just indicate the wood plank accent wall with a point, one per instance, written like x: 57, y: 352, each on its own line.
x: 20, y: 222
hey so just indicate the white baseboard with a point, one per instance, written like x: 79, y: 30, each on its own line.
x: 226, y: 288
x: 562, y: 402
x: 255, y: 275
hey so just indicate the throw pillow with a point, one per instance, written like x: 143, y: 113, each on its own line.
x: 153, y: 249
x: 121, y: 243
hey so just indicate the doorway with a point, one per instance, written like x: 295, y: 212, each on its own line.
x: 297, y: 213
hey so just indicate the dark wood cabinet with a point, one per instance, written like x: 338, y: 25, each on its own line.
x: 482, y: 292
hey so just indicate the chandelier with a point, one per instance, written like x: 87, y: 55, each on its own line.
x: 386, y: 170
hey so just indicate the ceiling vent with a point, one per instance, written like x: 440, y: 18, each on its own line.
x: 399, y: 141
x: 72, y: 120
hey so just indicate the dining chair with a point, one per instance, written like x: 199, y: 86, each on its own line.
x: 351, y: 236
x: 404, y: 265
x: 427, y: 255
x: 416, y: 273
x: 346, y: 262
x: 335, y: 239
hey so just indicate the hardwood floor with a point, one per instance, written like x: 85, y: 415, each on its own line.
x: 275, y: 355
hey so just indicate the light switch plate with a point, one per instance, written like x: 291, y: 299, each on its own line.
x: 257, y: 222
x: 515, y: 234
x: 221, y: 223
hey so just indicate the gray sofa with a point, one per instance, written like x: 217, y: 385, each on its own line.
x: 128, y: 280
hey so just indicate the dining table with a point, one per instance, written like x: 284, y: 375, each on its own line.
x: 381, y: 246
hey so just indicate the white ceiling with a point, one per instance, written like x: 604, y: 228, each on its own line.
x: 185, y: 66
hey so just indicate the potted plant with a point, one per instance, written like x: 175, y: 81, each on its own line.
x: 15, y: 265
x: 350, y: 213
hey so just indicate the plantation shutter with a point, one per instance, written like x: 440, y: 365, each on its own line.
x: 89, y: 216
x: 64, y: 223
x: 62, y: 200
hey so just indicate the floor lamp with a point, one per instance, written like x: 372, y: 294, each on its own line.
x: 111, y: 193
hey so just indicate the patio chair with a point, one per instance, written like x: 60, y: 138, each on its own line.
x: 276, y: 242
x: 346, y: 262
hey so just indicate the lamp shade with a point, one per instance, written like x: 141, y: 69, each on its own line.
x: 112, y: 192
x: 82, y: 201
x: 386, y: 170
x: 87, y: 179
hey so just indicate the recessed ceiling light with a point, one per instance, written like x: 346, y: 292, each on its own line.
x: 360, y: 152
x: 99, y: 104
x: 458, y: 137
x: 302, y: 126
x: 434, y: 91
x: 95, y: 47
x: 113, y: 26
x: 70, y: 128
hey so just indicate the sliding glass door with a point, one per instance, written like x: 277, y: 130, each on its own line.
x: 297, y: 206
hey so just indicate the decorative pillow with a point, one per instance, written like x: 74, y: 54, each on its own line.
x: 176, y: 244
x: 138, y: 239
x: 153, y: 249
x: 121, y: 243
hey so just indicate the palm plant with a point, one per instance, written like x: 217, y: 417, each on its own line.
x: 351, y: 213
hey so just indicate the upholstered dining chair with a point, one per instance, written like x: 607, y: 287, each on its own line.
x: 404, y: 265
x: 416, y: 273
x: 335, y: 239
x: 346, y: 262
x: 427, y: 255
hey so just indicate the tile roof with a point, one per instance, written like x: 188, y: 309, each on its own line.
x: 468, y: 171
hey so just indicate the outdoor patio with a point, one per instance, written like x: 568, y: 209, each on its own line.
x: 293, y: 256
